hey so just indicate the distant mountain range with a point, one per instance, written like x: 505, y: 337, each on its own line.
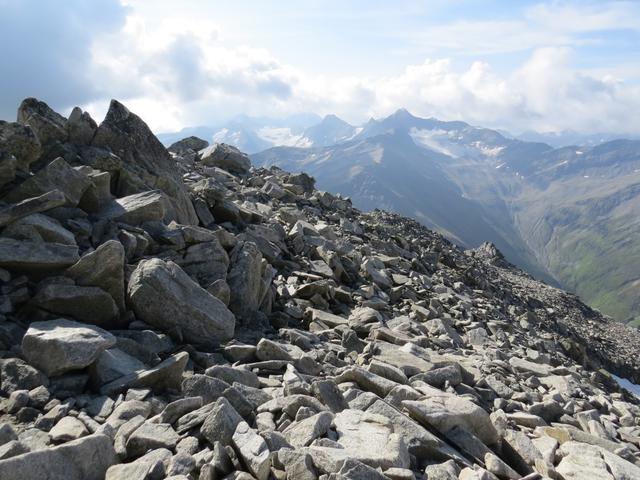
x: 252, y: 135
x: 567, y: 214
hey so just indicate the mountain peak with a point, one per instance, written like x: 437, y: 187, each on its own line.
x: 332, y: 119
x: 402, y: 113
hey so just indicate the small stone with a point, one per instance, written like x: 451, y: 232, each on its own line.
x: 67, y: 429
x: 151, y: 436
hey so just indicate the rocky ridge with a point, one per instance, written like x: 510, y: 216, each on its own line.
x: 179, y: 314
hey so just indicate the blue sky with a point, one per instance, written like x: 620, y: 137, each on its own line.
x: 545, y: 66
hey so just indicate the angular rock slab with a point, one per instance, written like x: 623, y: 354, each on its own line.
x: 59, y: 346
x: 166, y: 375
x: 227, y: 157
x: 56, y: 175
x: 49, y: 126
x: 164, y: 296
x: 85, y: 459
x: 138, y: 208
x: 87, y: 304
x: 446, y: 411
x: 146, y: 164
x: 15, y: 374
x: 30, y: 206
x: 253, y: 450
x: 104, y: 268
x: 21, y: 142
x: 30, y: 256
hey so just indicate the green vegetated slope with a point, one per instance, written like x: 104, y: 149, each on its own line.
x: 579, y: 210
x: 592, y: 247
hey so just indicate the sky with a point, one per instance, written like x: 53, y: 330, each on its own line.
x: 513, y: 65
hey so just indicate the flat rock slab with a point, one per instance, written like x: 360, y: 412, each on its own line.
x: 85, y: 459
x: 137, y: 208
x: 370, y: 439
x: 30, y: 206
x: 31, y: 256
x: 59, y: 346
x: 445, y: 411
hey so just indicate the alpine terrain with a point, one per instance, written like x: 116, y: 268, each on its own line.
x: 569, y: 215
x: 181, y: 314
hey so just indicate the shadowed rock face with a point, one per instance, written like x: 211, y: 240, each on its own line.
x: 278, y: 332
x: 145, y: 160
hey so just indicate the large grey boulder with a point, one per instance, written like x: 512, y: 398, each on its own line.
x: 151, y: 436
x: 49, y: 126
x: 87, y: 458
x: 205, y: 262
x: 581, y: 461
x: 371, y: 439
x: 112, y: 364
x: 146, y: 164
x: 302, y: 433
x: 245, y: 279
x: 104, y: 268
x: 21, y: 142
x: 164, y: 296
x: 59, y: 346
x: 67, y: 429
x: 151, y: 466
x: 188, y: 143
x: 226, y: 157
x: 56, y: 175
x: 23, y: 255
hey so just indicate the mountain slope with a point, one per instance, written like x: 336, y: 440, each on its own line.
x: 279, y: 332
x: 390, y: 171
x: 568, y: 215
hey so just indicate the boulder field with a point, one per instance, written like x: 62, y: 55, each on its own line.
x: 177, y: 313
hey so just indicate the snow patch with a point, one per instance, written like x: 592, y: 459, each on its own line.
x: 283, y: 137
x: 488, y: 151
x: 376, y: 155
x: 355, y: 170
x: 437, y: 140
x: 624, y: 383
x: 227, y: 136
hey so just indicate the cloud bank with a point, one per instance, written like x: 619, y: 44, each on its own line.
x: 177, y: 73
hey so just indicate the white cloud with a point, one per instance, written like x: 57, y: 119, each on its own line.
x: 544, y: 24
x: 185, y: 71
x: 544, y: 94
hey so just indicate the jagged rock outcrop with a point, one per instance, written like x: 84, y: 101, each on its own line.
x: 146, y: 164
x: 187, y: 316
